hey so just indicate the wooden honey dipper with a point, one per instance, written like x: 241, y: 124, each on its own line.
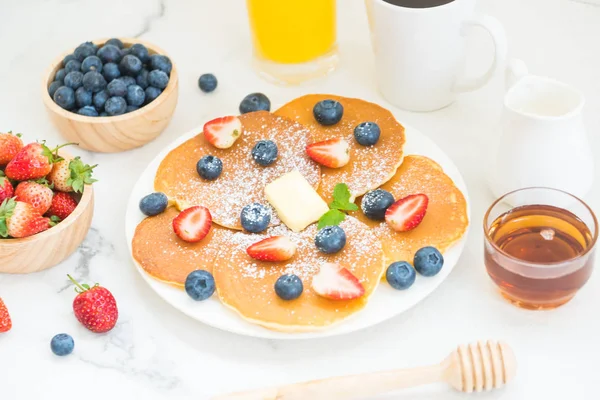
x: 474, y: 367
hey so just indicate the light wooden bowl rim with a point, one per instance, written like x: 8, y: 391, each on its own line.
x: 55, y: 108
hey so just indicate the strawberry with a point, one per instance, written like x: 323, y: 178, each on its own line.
x: 33, y: 161
x: 6, y: 188
x: 70, y: 175
x: 406, y: 213
x: 10, y: 145
x: 63, y: 204
x: 37, y: 194
x: 274, y: 248
x: 5, y: 321
x: 95, y: 307
x: 192, y: 224
x: 337, y: 283
x: 223, y: 132
x: 19, y: 219
x: 332, y: 153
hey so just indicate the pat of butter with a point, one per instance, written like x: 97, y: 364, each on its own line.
x: 296, y: 202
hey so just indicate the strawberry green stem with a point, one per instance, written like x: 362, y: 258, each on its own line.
x: 76, y: 283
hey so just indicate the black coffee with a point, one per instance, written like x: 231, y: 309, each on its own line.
x: 418, y: 3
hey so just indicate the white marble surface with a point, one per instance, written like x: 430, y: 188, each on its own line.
x: 157, y: 353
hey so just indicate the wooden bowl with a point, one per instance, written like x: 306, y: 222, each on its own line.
x: 121, y: 132
x: 48, y: 248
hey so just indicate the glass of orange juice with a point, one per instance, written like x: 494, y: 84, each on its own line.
x: 294, y: 40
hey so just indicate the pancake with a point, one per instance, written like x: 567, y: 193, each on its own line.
x: 247, y: 285
x: 446, y: 219
x: 369, y: 166
x: 243, y: 180
x: 167, y: 258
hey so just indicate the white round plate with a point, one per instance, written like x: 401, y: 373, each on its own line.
x: 384, y: 304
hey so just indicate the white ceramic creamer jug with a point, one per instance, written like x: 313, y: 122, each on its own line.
x: 542, y: 140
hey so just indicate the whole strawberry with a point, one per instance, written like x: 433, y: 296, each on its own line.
x: 70, y: 175
x: 6, y: 188
x: 33, y: 161
x: 62, y: 206
x: 95, y: 307
x: 18, y: 219
x: 38, y: 194
x: 5, y: 321
x: 10, y: 145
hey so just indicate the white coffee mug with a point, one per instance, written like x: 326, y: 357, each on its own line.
x: 420, y: 52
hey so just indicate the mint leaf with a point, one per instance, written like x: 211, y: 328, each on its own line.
x: 341, y: 198
x: 331, y: 217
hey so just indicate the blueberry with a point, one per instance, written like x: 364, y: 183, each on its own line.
x: 94, y: 81
x: 103, y: 114
x: 207, y: 82
x: 288, y: 287
x: 88, y: 111
x: 200, y: 285
x: 91, y: 63
x: 255, y: 217
x: 152, y: 93
x: 110, y: 71
x: 428, y: 261
x: 400, y: 275
x: 154, y: 203
x: 130, y: 65
x: 367, y: 133
x: 209, y: 167
x: 74, y: 79
x: 328, y: 112
x: 117, y: 88
x: 128, y: 80
x: 84, y: 50
x: 158, y: 78
x: 255, y: 102
x: 131, y: 108
x: 73, y: 65
x: 109, y: 53
x: 115, y: 42
x: 68, y: 58
x: 135, y: 95
x: 330, y: 239
x: 375, y: 203
x: 115, y: 106
x: 53, y: 87
x: 99, y: 99
x: 83, y: 97
x: 163, y: 63
x: 140, y: 51
x: 125, y: 51
x: 64, y: 97
x: 142, y: 79
x: 62, y: 344
x: 60, y: 75
x: 264, y: 152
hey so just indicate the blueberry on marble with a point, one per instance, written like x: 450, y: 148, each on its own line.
x: 288, y: 287
x: 255, y: 217
x: 130, y: 65
x: 64, y: 97
x: 109, y: 53
x: 83, y: 97
x: 84, y: 50
x: 99, y: 99
x: 142, y: 79
x: 209, y: 167
x: 91, y: 63
x: 158, y: 78
x: 264, y: 152
x: 255, y: 102
x: 135, y: 95
x: 88, y: 111
x: 74, y: 79
x: 367, y: 133
x: 328, y: 112
x: 375, y: 203
x: 73, y: 65
x: 200, y: 285
x: 62, y: 344
x: 115, y: 106
x: 117, y: 88
x: 115, y: 42
x: 400, y: 275
x: 140, y: 51
x: 154, y: 203
x: 53, y: 87
x: 94, y: 81
x: 128, y: 80
x: 152, y: 93
x: 428, y: 261
x: 131, y: 108
x: 68, y: 58
x: 207, y: 82
x: 60, y: 75
x: 110, y: 71
x: 161, y: 62
x: 330, y: 239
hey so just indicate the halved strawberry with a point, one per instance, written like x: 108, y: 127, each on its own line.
x: 406, y: 213
x: 337, y: 283
x: 274, y: 248
x: 192, y: 224
x: 332, y: 153
x: 223, y: 132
